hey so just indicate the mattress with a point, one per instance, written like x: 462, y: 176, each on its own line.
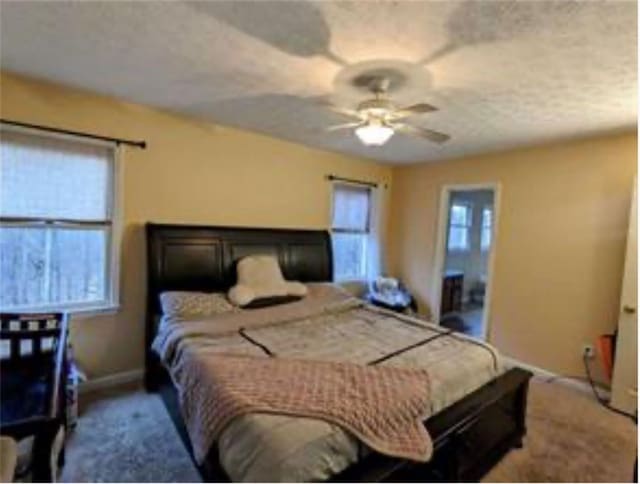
x: 329, y: 326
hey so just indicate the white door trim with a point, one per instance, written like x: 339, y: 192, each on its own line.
x: 440, y: 252
x: 624, y: 385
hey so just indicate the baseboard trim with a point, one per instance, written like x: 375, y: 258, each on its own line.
x: 111, y: 381
x: 582, y: 386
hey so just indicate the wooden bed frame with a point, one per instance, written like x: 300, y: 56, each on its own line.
x: 469, y: 436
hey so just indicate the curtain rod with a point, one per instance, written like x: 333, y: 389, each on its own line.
x: 351, y: 180
x: 137, y: 144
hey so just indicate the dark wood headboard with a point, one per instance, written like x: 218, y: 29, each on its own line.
x: 203, y: 258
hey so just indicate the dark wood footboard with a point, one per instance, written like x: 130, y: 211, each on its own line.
x: 469, y: 437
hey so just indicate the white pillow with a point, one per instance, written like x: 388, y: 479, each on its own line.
x: 186, y: 304
x: 260, y: 277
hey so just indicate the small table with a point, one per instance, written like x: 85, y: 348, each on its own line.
x: 399, y: 301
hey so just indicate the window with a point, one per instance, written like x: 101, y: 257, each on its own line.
x: 350, y: 230
x: 485, y: 234
x: 459, y: 226
x: 56, y: 223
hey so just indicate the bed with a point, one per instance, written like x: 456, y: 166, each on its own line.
x: 478, y: 415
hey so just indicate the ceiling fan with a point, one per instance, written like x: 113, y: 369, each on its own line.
x: 379, y: 118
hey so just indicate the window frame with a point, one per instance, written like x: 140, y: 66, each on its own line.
x: 112, y: 226
x: 364, y: 233
x: 469, y: 209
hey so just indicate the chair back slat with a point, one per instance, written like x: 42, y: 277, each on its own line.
x: 37, y: 347
x: 29, y: 335
x: 16, y: 348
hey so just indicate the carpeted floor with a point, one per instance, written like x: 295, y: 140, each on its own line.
x: 570, y: 438
x: 127, y: 436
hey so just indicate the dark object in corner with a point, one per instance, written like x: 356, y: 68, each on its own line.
x: 265, y: 302
x: 469, y: 436
x: 452, y: 286
x: 455, y: 322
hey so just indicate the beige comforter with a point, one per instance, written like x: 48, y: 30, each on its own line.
x: 326, y: 326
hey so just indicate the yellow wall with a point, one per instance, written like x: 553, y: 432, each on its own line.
x: 560, y: 245
x: 560, y: 242
x: 192, y: 172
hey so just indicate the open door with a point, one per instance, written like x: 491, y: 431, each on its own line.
x: 625, y: 371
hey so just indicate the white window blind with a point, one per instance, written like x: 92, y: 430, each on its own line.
x: 350, y: 230
x: 460, y: 219
x: 56, y: 214
x: 485, y: 234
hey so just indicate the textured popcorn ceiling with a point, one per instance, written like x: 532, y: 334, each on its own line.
x: 503, y: 74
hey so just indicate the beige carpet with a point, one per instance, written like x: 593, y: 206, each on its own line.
x: 127, y: 436
x: 570, y: 438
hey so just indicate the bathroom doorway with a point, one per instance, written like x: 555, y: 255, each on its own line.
x: 467, y: 232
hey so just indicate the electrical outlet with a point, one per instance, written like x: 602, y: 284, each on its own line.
x: 588, y: 351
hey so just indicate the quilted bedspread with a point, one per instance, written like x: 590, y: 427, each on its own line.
x: 383, y: 406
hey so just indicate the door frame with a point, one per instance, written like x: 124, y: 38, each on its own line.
x: 440, y: 249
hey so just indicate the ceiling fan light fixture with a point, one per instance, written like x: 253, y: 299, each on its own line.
x: 374, y: 134
x: 375, y: 120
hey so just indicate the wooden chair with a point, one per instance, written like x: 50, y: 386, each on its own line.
x: 33, y: 371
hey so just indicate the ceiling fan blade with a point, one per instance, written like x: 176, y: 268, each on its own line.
x: 352, y: 113
x: 429, y: 134
x: 337, y: 127
x: 414, y: 109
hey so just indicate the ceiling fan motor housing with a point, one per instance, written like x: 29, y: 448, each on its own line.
x: 378, y: 108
